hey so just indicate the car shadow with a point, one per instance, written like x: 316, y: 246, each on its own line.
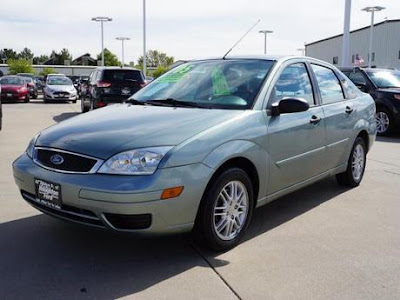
x: 394, y: 138
x: 64, y: 116
x: 42, y: 257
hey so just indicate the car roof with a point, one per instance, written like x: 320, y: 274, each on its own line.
x: 117, y: 68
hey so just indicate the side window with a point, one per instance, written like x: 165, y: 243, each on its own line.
x: 329, y: 85
x: 91, y: 78
x: 98, y: 75
x: 293, y: 82
x: 358, y: 78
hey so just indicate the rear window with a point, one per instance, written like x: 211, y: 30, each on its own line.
x: 122, y: 75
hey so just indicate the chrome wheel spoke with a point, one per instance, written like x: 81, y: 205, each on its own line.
x: 230, y: 210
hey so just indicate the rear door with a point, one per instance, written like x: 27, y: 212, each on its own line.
x: 338, y: 115
x: 296, y: 141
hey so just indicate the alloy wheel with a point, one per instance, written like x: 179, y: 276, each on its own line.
x: 382, y: 122
x: 358, y: 162
x: 231, y: 210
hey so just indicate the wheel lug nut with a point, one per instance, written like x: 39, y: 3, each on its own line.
x: 232, y: 217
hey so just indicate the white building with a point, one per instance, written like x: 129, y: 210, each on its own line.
x: 385, y: 49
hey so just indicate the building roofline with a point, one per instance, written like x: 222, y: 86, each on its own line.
x: 353, y: 31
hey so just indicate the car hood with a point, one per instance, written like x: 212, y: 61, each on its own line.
x: 61, y: 88
x: 390, y: 90
x: 110, y: 130
x: 10, y: 87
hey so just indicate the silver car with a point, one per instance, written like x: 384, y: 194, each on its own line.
x: 201, y: 147
x: 59, y: 88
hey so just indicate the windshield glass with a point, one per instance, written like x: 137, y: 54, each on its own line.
x: 230, y: 84
x: 59, y: 81
x: 12, y: 80
x: 385, y: 79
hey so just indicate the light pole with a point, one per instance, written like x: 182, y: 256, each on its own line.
x: 122, y: 39
x: 302, y: 50
x: 102, y: 20
x: 372, y: 10
x: 144, y: 38
x: 265, y: 32
x: 346, y: 35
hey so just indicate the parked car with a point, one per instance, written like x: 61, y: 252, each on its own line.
x: 82, y: 84
x: 1, y: 110
x: 32, y: 88
x: 14, y: 88
x: 39, y: 82
x: 59, y: 89
x: 109, y: 85
x: 149, y: 79
x: 384, y: 86
x: 201, y: 147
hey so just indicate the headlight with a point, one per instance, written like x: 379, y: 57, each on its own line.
x: 31, y: 147
x: 49, y: 90
x: 135, y: 162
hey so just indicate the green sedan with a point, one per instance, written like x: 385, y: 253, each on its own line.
x: 201, y: 147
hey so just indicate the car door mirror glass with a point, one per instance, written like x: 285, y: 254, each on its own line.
x: 289, y: 105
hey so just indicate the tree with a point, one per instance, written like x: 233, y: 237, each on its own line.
x: 159, y: 71
x: 110, y: 59
x: 39, y: 60
x: 19, y: 66
x: 156, y: 58
x: 26, y: 53
x: 8, y: 54
x: 46, y: 71
x: 64, y: 55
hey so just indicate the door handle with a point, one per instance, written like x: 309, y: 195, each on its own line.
x: 349, y: 110
x: 315, y: 120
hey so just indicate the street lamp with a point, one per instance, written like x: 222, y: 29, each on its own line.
x: 102, y: 20
x: 122, y: 39
x: 144, y: 38
x: 372, y: 10
x: 302, y: 50
x: 265, y: 32
x: 346, y: 35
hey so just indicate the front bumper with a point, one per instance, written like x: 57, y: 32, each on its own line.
x: 91, y: 199
x: 51, y: 96
x: 13, y: 96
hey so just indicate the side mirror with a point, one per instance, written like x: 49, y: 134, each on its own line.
x: 362, y: 87
x: 289, y: 105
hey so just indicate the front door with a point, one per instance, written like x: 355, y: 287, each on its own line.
x: 296, y: 141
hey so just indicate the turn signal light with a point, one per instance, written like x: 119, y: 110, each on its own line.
x: 172, y: 192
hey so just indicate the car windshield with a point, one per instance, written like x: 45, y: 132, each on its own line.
x: 385, y: 79
x: 28, y: 79
x: 12, y: 80
x: 226, y: 84
x: 59, y: 81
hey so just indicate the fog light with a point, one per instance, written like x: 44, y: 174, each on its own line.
x: 172, y: 192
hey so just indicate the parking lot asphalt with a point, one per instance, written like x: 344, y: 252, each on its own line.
x: 323, y: 242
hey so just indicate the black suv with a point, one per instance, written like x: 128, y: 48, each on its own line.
x: 384, y: 86
x: 111, y: 85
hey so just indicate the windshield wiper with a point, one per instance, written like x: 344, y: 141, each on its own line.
x: 175, y: 103
x: 135, y: 102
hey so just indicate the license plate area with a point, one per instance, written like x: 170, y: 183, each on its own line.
x: 48, y: 193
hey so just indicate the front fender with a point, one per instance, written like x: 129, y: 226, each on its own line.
x: 241, y: 149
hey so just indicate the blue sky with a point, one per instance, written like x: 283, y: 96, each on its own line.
x: 184, y: 29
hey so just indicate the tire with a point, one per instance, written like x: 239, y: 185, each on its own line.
x: 92, y: 107
x: 27, y: 99
x: 230, y: 215
x: 384, y: 121
x: 358, y: 157
x: 73, y: 101
x: 35, y: 96
x: 84, y: 108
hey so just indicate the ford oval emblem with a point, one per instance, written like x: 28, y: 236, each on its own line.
x: 57, y: 159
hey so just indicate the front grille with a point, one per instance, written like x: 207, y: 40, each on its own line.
x: 67, y: 212
x: 69, y: 162
x: 129, y: 222
x: 61, y: 94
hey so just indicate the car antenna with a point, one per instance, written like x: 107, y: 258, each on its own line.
x: 240, y: 39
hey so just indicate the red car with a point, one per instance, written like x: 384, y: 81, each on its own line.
x: 14, y: 88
